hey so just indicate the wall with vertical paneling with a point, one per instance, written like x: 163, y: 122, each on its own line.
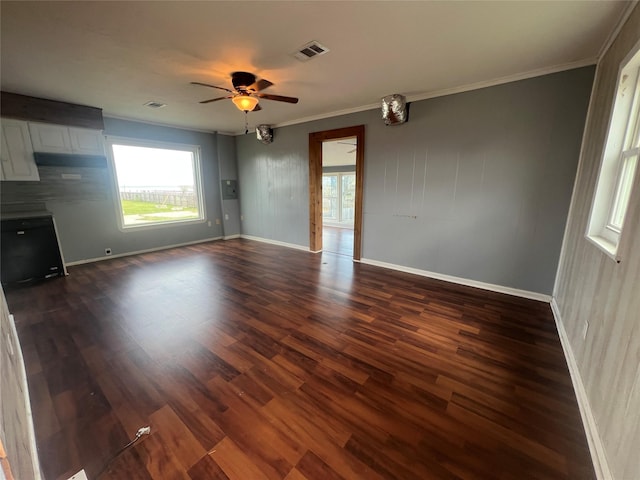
x: 476, y: 185
x: 16, y: 426
x: 592, y: 288
x: 229, y: 171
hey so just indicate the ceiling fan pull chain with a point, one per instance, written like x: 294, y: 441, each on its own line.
x: 246, y: 122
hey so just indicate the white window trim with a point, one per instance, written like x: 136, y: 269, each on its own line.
x: 618, y: 144
x: 139, y: 142
x: 622, y: 163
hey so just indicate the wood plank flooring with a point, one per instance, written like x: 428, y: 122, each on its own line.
x: 252, y: 361
x: 337, y: 240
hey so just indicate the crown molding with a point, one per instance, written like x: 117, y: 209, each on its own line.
x: 450, y: 91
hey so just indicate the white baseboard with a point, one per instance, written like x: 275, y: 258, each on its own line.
x: 276, y: 242
x: 231, y: 237
x: 596, y: 447
x: 137, y: 252
x: 461, y: 281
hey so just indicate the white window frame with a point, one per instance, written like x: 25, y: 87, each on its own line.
x: 620, y: 164
x: 138, y: 142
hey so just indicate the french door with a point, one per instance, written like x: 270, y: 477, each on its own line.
x: 338, y: 198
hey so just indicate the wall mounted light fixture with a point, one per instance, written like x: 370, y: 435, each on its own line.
x: 264, y: 133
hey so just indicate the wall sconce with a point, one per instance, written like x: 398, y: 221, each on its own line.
x: 264, y: 133
x: 394, y: 109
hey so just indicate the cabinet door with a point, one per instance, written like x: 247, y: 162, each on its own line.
x: 85, y: 141
x: 50, y: 138
x: 17, y: 153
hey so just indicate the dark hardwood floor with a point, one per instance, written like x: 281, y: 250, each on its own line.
x: 337, y: 240
x: 252, y: 361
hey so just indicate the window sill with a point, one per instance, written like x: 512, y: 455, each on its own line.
x: 609, y: 248
x: 152, y: 226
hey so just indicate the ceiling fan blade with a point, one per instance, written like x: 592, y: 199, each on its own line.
x: 256, y: 108
x: 277, y: 98
x: 212, y: 86
x: 259, y: 85
x: 216, y: 99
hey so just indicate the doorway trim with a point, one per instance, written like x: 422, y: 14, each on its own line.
x: 315, y: 185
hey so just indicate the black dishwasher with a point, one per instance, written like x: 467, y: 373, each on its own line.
x: 29, y: 250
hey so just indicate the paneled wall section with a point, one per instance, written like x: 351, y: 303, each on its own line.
x: 16, y: 427
x: 591, y: 288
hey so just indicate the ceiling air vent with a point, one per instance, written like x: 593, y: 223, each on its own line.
x: 310, y: 50
x: 155, y: 104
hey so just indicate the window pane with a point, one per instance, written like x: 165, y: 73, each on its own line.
x: 330, y: 197
x: 623, y: 191
x: 348, y: 197
x: 156, y: 185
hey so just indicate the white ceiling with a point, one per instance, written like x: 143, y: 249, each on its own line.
x: 339, y: 152
x: 119, y: 55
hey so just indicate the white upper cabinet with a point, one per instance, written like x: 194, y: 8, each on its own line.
x: 89, y: 142
x: 50, y: 138
x: 16, y: 152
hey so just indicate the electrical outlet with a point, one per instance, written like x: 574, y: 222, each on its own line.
x: 217, y: 221
x: 107, y: 251
x: 209, y: 223
x: 226, y: 216
x: 241, y: 217
x: 584, y: 330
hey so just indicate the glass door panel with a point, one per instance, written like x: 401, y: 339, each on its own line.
x: 330, y: 198
x: 348, y: 197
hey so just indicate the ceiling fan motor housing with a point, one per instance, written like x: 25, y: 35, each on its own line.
x: 242, y: 80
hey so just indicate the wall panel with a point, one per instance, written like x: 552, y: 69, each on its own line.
x: 592, y: 288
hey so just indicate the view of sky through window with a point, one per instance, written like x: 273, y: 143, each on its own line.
x: 153, y: 167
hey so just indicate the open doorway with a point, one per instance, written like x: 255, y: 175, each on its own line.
x: 336, y: 168
x: 338, y: 195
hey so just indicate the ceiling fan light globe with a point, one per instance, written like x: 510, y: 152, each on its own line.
x: 245, y: 103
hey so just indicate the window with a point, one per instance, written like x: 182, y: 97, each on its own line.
x: 338, y: 198
x: 618, y: 171
x: 156, y: 183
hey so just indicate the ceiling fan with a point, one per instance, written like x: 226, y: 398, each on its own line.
x: 245, y: 94
x: 349, y: 143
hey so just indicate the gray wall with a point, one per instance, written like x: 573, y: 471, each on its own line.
x: 229, y: 171
x: 593, y: 288
x: 274, y: 181
x: 85, y: 211
x: 476, y: 185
